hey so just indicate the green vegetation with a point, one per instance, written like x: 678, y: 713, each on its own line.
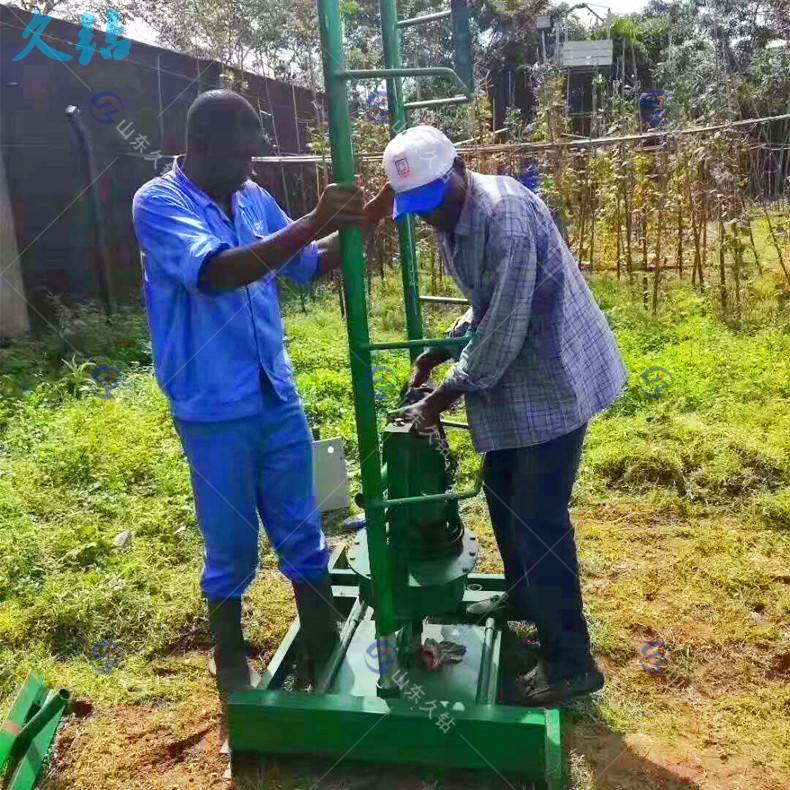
x: 683, y: 511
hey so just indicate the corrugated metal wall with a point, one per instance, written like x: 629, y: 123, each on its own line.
x: 46, y: 183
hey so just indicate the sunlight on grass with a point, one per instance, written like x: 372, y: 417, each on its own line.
x: 682, y: 509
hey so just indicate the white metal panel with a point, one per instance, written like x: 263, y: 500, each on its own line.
x: 584, y: 54
x: 330, y: 475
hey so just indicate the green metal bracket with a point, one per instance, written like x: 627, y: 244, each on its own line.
x: 421, y: 20
x: 448, y: 496
x: 427, y: 71
x: 446, y: 342
x: 444, y: 299
x: 28, y: 732
x: 414, y: 105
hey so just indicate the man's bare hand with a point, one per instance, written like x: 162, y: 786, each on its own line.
x: 426, y: 412
x: 339, y: 206
x: 424, y: 365
x: 380, y: 207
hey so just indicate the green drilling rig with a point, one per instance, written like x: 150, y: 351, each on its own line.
x: 410, y: 574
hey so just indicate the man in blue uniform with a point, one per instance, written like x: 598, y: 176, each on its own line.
x: 213, y: 243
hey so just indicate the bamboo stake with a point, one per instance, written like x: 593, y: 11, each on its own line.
x: 617, y: 231
x: 645, y: 288
x: 737, y: 261
x: 722, y: 278
x: 593, y: 206
x: 754, y: 247
x: 679, y: 254
x: 629, y: 221
x: 657, y: 273
x: 776, y: 243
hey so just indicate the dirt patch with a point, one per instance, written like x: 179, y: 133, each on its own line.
x: 131, y: 747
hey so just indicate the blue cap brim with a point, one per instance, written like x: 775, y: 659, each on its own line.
x: 422, y: 199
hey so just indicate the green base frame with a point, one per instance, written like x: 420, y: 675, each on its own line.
x: 351, y: 722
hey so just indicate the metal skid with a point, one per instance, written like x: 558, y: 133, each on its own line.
x: 352, y: 721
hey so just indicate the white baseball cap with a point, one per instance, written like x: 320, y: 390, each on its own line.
x: 417, y: 162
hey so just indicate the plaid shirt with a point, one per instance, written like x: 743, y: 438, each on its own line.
x: 544, y: 360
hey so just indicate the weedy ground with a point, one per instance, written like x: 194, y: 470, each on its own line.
x: 683, y: 519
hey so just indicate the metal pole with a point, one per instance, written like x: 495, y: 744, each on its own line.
x: 462, y: 44
x: 397, y: 117
x: 358, y: 339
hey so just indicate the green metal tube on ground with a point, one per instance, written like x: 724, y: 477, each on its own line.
x: 32, y: 692
x: 397, y: 117
x: 357, y: 324
x: 57, y: 702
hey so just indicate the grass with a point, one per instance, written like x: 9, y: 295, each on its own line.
x: 682, y: 511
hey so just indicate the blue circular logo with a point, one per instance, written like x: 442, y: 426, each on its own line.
x: 106, y: 376
x: 106, y: 656
x: 377, y: 107
x: 654, y: 382
x: 375, y: 661
x: 655, y: 657
x: 105, y: 105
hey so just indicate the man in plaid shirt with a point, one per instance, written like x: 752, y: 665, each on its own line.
x: 541, y: 363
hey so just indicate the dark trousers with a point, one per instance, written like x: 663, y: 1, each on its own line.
x: 528, y: 490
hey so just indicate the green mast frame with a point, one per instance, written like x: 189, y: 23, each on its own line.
x: 359, y: 709
x: 336, y: 78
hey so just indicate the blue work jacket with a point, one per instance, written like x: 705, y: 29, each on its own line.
x: 209, y: 347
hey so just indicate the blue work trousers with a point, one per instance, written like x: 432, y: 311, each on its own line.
x: 260, y: 465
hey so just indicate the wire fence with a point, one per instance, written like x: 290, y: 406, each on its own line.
x: 706, y: 204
